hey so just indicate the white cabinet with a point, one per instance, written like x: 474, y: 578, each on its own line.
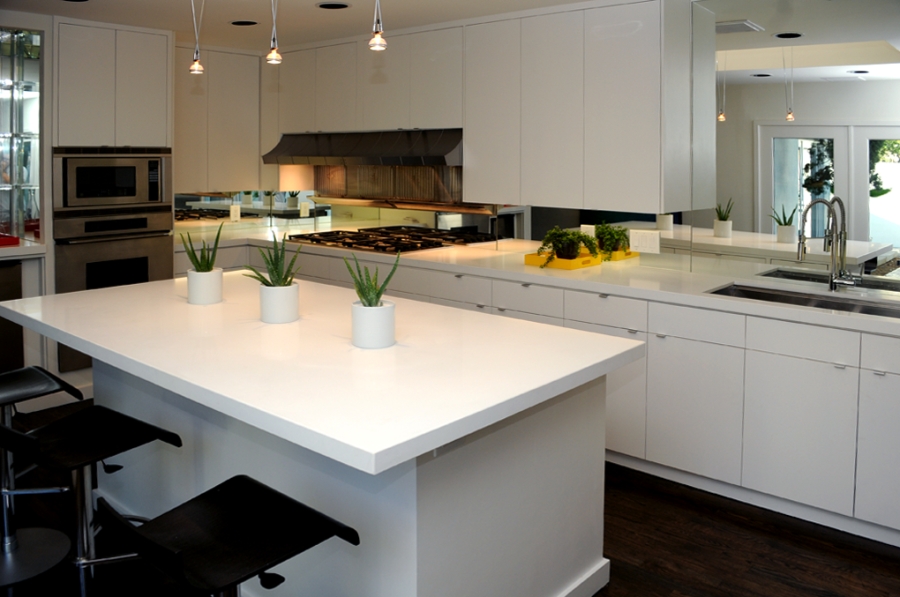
x: 191, y: 160
x: 800, y: 430
x: 492, y: 128
x: 523, y: 297
x: 336, y: 87
x: 297, y: 92
x: 600, y: 308
x: 878, y: 449
x: 436, y: 73
x: 553, y: 110
x: 622, y: 101
x: 383, y: 85
x: 113, y: 86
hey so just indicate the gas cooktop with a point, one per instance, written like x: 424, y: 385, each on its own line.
x: 393, y: 239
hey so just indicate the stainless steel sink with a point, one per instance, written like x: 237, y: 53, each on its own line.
x: 873, y: 282
x: 803, y: 299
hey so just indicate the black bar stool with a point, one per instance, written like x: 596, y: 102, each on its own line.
x: 27, y: 552
x: 73, y: 444
x: 227, y: 535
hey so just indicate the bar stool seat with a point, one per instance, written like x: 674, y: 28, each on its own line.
x: 227, y: 535
x: 28, y: 552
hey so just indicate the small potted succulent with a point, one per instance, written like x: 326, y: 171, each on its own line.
x: 566, y: 244
x: 787, y: 230
x: 611, y: 239
x: 372, y: 318
x: 205, y: 280
x: 722, y: 223
x: 279, y: 294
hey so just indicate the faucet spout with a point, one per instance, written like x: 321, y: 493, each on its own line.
x: 838, y: 242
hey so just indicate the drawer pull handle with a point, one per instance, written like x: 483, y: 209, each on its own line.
x: 634, y: 332
x: 840, y: 366
x: 881, y: 373
x: 480, y: 306
x: 457, y: 276
x: 501, y: 309
x: 660, y: 335
x: 603, y: 296
x: 526, y: 285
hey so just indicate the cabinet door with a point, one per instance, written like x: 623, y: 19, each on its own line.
x: 553, y: 110
x: 233, y: 141
x: 800, y: 430
x: 336, y: 88
x: 189, y: 151
x: 436, y: 76
x: 383, y: 86
x: 142, y: 89
x: 622, y: 108
x: 87, y: 85
x: 694, y: 406
x: 878, y: 452
x: 528, y: 298
x: 297, y: 92
x: 491, y: 143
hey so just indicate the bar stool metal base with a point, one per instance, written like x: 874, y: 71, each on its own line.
x: 38, y: 550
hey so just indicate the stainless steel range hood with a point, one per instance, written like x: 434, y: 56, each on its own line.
x: 432, y: 147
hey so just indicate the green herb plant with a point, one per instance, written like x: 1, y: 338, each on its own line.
x: 367, y: 288
x: 566, y: 244
x: 280, y: 272
x: 611, y: 238
x: 205, y: 261
x: 784, y: 219
x: 724, y: 213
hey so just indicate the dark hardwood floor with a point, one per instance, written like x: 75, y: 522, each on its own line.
x: 663, y: 539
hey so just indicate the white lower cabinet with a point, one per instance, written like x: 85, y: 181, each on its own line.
x: 878, y: 449
x: 800, y: 430
x: 694, y: 406
x: 523, y: 297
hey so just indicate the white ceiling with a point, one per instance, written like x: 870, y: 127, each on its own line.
x: 301, y: 22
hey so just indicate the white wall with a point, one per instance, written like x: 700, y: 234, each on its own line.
x: 814, y: 103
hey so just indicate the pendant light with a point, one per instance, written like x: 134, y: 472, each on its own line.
x: 273, y: 57
x: 789, y: 103
x: 720, y: 117
x: 196, y: 67
x: 377, y: 43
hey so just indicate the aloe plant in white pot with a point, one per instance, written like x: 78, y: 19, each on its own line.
x: 205, y: 280
x: 787, y: 230
x: 722, y: 223
x: 279, y: 294
x: 373, y: 319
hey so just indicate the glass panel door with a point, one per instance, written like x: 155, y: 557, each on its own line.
x: 876, y: 158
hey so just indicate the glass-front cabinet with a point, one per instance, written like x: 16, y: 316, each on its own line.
x: 20, y: 71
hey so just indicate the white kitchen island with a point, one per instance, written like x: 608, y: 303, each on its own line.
x: 469, y: 456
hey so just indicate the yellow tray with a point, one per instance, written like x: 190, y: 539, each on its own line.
x: 583, y: 260
x: 620, y: 255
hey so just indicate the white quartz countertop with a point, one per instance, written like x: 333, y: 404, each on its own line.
x: 452, y: 371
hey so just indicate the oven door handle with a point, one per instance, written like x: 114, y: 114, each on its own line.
x: 101, y: 239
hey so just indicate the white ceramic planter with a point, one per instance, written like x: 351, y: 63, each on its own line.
x: 722, y: 229
x: 205, y: 288
x: 664, y: 221
x: 279, y: 304
x: 373, y: 327
x: 787, y: 234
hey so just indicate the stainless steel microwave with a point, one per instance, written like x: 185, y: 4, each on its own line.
x: 96, y: 180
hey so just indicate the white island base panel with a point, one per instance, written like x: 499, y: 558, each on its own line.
x: 515, y: 509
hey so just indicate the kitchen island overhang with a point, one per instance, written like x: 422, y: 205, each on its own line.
x: 473, y: 431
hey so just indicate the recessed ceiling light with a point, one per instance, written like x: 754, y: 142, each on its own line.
x: 761, y: 75
x: 858, y: 72
x: 333, y: 5
x: 244, y: 23
x: 75, y: 0
x: 788, y: 35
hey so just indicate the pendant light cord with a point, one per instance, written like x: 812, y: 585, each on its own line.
x: 378, y: 26
x: 197, y: 23
x: 724, y: 79
x: 274, y: 14
x: 788, y: 103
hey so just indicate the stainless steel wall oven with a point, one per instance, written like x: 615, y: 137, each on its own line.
x: 112, y: 221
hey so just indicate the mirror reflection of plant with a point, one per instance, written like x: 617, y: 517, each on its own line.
x: 881, y: 150
x: 367, y: 288
x: 280, y: 273
x: 724, y: 213
x: 205, y: 261
x: 566, y: 244
x: 820, y: 170
x: 611, y: 238
x: 784, y: 219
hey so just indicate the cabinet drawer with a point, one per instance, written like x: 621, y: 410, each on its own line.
x: 481, y: 308
x: 460, y: 287
x: 608, y: 310
x: 696, y: 324
x: 880, y: 353
x: 803, y: 341
x: 311, y: 266
x: 528, y: 298
x: 558, y: 321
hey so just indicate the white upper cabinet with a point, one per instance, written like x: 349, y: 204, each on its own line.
x: 436, y: 75
x: 553, y: 110
x: 492, y: 126
x: 191, y: 128
x: 142, y: 89
x: 86, y: 92
x: 622, y: 107
x: 113, y: 86
x: 383, y: 85
x: 297, y: 92
x: 336, y: 87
